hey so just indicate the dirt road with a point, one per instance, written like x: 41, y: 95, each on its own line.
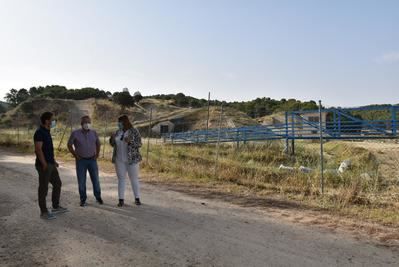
x: 170, y: 229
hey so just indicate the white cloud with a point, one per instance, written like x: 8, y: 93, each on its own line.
x: 392, y: 57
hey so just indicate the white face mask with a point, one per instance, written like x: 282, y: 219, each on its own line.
x: 86, y: 126
x: 53, y: 124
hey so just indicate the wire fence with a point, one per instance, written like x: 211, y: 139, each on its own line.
x: 222, y: 153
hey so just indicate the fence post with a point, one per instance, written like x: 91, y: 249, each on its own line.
x: 62, y: 137
x: 394, y: 122
x: 105, y: 132
x: 238, y: 138
x: 335, y: 122
x: 17, y: 129
x: 321, y: 148
x: 286, y: 133
x: 293, y: 134
x: 70, y: 120
x: 218, y: 142
x: 207, y: 118
x: 148, y: 136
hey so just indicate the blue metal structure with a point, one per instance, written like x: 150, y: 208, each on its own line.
x: 338, y: 124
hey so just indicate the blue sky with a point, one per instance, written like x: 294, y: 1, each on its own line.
x: 345, y: 53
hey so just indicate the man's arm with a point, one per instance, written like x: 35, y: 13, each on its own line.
x: 40, y: 154
x: 98, y: 146
x: 70, y: 147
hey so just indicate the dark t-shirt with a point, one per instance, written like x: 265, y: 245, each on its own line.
x: 43, y: 135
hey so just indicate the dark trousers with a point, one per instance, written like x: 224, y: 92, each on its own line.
x: 82, y: 166
x: 50, y: 175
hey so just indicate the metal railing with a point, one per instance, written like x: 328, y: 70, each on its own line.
x: 340, y: 124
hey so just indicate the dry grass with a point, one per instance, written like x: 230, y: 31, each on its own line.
x: 252, y: 171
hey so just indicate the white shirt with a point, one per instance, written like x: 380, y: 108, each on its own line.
x: 121, y: 148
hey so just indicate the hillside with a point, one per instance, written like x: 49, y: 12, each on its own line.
x: 103, y: 112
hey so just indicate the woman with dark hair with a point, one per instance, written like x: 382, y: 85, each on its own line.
x: 126, y: 142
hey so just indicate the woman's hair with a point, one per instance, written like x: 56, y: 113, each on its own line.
x: 126, y: 122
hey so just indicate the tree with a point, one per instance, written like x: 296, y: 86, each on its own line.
x: 124, y: 99
x: 22, y: 95
x: 11, y: 97
x: 15, y: 97
x: 137, y: 96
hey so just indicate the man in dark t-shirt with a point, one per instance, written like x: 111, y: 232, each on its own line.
x: 46, y: 167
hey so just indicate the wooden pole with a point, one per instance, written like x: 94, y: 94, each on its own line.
x: 105, y: 132
x: 218, y: 142
x: 207, y: 118
x: 18, y: 129
x: 321, y: 149
x: 148, y: 136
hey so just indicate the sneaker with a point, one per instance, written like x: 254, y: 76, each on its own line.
x: 83, y: 203
x: 47, y: 216
x: 100, y: 201
x: 121, y: 203
x: 137, y: 202
x: 59, y: 210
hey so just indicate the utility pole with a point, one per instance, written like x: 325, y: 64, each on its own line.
x: 321, y: 148
x: 218, y: 142
x: 105, y: 132
x: 207, y: 118
x: 148, y: 136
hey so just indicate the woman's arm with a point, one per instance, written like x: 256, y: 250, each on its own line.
x: 112, y: 140
x: 138, y: 138
x: 134, y: 138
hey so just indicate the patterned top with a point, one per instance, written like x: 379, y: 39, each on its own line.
x: 133, y: 145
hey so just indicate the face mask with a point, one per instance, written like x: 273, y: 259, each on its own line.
x: 86, y: 126
x: 53, y: 124
x: 120, y: 125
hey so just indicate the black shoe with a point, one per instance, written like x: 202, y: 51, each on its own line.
x: 47, y: 215
x: 121, y: 203
x: 137, y: 202
x: 59, y: 210
x: 100, y: 201
x: 83, y: 203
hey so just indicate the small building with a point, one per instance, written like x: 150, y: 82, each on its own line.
x: 174, y: 125
x: 308, y: 123
x: 163, y: 127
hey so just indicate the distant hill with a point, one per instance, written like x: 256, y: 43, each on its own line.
x: 104, y: 112
x: 256, y: 108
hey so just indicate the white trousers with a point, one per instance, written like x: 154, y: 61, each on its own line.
x: 133, y: 171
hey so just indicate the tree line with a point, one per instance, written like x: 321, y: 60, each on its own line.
x: 258, y: 107
x: 254, y: 108
x: 15, y: 97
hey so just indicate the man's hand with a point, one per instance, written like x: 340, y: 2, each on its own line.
x: 77, y: 157
x: 45, y: 166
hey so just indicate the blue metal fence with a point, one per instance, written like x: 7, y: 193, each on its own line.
x: 340, y: 124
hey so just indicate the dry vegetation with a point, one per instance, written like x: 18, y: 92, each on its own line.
x: 252, y: 170
x: 368, y: 191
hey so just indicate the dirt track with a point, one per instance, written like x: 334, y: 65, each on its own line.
x: 170, y: 229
